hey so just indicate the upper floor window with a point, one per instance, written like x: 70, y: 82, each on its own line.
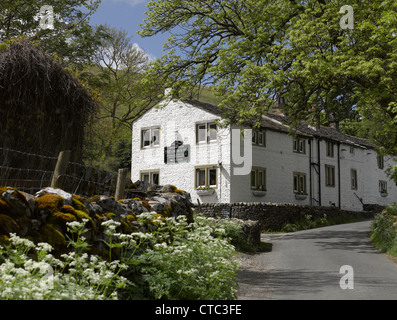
x: 150, y: 137
x: 330, y: 149
x: 206, y: 132
x: 329, y: 176
x: 381, y: 162
x: 259, y: 138
x: 299, y: 145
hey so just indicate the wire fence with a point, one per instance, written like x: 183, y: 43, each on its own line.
x: 32, y: 172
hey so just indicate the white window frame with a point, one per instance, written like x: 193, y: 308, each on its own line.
x: 299, y: 145
x: 301, y: 186
x: 256, y: 184
x: 330, y: 149
x: 255, y: 138
x: 207, y: 174
x: 329, y: 175
x: 151, y: 131
x: 206, y: 130
x: 150, y: 173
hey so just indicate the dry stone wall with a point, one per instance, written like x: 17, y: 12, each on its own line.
x: 273, y: 216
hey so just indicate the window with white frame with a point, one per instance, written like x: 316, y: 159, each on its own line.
x: 258, y: 178
x: 329, y: 176
x: 299, y: 145
x: 330, y: 149
x: 151, y: 177
x: 150, y: 137
x: 259, y: 138
x: 206, y: 176
x: 206, y: 132
x: 300, y: 182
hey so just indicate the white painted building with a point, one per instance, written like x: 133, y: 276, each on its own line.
x: 180, y: 143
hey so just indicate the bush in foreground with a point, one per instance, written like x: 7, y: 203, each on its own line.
x: 383, y: 231
x: 176, y: 261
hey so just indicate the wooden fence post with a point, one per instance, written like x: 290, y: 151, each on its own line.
x: 120, y: 188
x: 60, y: 169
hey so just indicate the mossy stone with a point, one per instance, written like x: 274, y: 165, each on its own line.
x: 8, y: 225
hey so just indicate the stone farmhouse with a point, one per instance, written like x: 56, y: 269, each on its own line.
x: 181, y: 143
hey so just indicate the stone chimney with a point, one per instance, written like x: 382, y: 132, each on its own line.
x: 278, y: 106
x: 167, y: 91
x: 333, y: 121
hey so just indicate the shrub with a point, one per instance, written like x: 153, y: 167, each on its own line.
x: 176, y: 260
x: 383, y: 232
x: 76, y: 276
x: 392, y: 209
x: 189, y: 264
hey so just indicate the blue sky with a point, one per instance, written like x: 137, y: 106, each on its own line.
x: 129, y: 14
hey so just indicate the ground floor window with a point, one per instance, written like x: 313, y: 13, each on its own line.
x: 382, y: 186
x: 150, y: 177
x: 300, y: 182
x: 206, y: 176
x: 258, y: 178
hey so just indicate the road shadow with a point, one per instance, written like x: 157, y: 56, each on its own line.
x: 351, y: 240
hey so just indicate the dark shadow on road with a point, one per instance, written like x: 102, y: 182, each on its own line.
x: 352, y: 240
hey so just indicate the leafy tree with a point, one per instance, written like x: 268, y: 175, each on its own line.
x: 72, y: 38
x: 254, y: 51
x: 118, y: 71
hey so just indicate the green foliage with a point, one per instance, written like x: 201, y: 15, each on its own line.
x: 383, y: 232
x: 174, y: 260
x: 310, y: 222
x: 117, y: 72
x: 251, y: 52
x: 72, y: 37
x: 76, y: 277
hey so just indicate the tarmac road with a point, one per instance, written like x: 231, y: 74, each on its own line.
x: 306, y: 265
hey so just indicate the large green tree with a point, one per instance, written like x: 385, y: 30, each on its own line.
x: 117, y: 71
x: 253, y: 51
x: 71, y: 38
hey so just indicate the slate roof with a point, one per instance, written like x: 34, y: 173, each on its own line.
x: 280, y: 123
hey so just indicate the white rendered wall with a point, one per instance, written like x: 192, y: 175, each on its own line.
x: 178, y: 122
x: 280, y: 163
